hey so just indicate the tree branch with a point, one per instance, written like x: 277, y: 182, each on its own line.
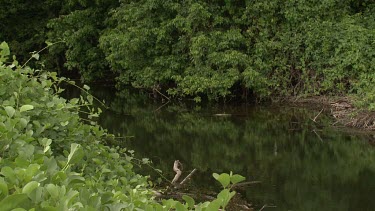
x: 188, y: 177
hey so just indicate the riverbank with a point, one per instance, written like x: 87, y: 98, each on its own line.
x: 342, y: 109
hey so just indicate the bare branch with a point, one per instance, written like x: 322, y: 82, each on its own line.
x: 317, y: 115
x: 156, y: 90
x: 265, y: 206
x: 318, y: 136
x: 188, y: 177
x: 162, y: 106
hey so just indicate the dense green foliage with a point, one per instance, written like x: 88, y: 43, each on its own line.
x: 271, y: 48
x: 23, y: 24
x: 80, y: 24
x: 51, y: 160
x: 274, y: 47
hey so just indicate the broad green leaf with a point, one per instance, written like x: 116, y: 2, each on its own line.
x: 4, y: 51
x: 32, y: 170
x: 237, y: 178
x: 46, y: 149
x: 214, y: 205
x: 35, y: 56
x: 223, y: 178
x: 53, y: 190
x: 26, y: 151
x: 90, y: 99
x: 180, y: 207
x: 22, y: 162
x: 225, y: 196
x: 190, y: 201
x: 23, y: 122
x: 15, y: 201
x: 19, y: 209
x: 50, y: 104
x: 3, y: 189
x: 149, y: 208
x: 67, y: 199
x: 36, y: 196
x: 216, y: 176
x: 169, y: 203
x: 76, y: 153
x: 86, y: 87
x: 10, y: 111
x: 29, y: 187
x: 145, y: 160
x: 26, y: 108
x: 8, y: 172
x: 64, y: 123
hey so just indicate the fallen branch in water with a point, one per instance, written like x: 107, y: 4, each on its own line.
x: 314, y: 120
x: 188, y: 177
x: 265, y: 206
x: 318, y: 136
x: 162, y: 106
x: 163, y: 95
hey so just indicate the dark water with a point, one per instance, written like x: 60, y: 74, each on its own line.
x: 303, y: 165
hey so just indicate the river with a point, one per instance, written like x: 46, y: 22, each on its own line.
x: 302, y: 164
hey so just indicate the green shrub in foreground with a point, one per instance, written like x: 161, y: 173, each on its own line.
x: 50, y: 160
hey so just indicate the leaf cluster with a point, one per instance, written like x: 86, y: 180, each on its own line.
x: 50, y: 159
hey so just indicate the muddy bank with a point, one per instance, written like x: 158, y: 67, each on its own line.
x: 342, y: 109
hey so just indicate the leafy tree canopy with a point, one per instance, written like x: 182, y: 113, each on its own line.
x: 196, y: 48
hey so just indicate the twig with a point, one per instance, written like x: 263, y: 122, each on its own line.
x: 265, y: 206
x: 318, y: 135
x: 156, y: 90
x: 317, y: 115
x: 192, y: 195
x: 153, y: 168
x: 188, y: 177
x: 177, y: 170
x: 88, y: 93
x: 335, y: 123
x: 32, y: 55
x: 161, y: 106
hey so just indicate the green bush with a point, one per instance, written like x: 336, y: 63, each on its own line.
x: 274, y: 48
x: 80, y: 25
x: 50, y: 160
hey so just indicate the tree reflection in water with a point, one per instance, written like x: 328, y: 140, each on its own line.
x: 302, y: 165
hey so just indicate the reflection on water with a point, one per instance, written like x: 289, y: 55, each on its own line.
x: 302, y: 165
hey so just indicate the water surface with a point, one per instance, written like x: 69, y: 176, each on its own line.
x: 303, y: 165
